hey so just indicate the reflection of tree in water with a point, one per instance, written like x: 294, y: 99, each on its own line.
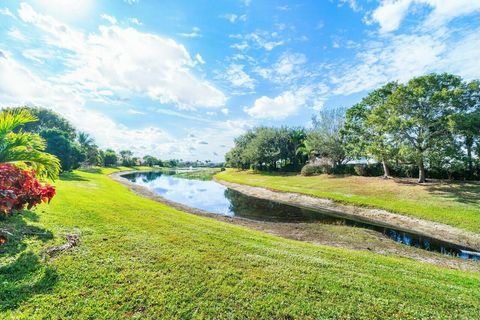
x: 259, y: 209
x: 144, y: 176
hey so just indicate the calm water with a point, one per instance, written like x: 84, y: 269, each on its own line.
x: 213, y: 197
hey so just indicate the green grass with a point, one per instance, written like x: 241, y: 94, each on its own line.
x: 141, y: 259
x: 453, y: 203
x: 200, y: 174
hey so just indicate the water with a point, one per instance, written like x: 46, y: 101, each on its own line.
x: 213, y: 197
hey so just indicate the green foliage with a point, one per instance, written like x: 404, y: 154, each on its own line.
x: 316, y: 169
x: 267, y: 148
x: 366, y: 132
x: 25, y: 148
x: 69, y: 152
x: 126, y: 158
x: 325, y: 140
x: 152, y: 161
x: 46, y: 119
x: 110, y: 158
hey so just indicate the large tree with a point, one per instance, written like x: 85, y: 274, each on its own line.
x: 418, y: 116
x: 366, y: 131
x: 69, y: 152
x: 25, y: 148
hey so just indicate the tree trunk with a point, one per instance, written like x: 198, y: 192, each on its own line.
x: 421, y: 172
x: 386, y: 169
x: 469, y: 143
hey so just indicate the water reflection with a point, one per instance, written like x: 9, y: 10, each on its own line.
x: 216, y: 198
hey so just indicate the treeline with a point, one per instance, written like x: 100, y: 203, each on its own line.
x: 427, y: 126
x: 75, y: 149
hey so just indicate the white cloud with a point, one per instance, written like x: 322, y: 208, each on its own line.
x: 127, y: 61
x: 280, y: 107
x: 238, y: 77
x: 199, y: 58
x: 391, y: 13
x: 16, y: 34
x: 108, y: 18
x: 233, y: 17
x: 353, y: 4
x: 194, y: 34
x: 259, y: 39
x: 225, y: 111
x: 288, y: 68
x: 7, y: 12
x: 135, y: 21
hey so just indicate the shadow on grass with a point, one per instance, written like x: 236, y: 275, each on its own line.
x: 22, y: 274
x: 458, y: 191
x: 71, y: 176
x: 463, y: 192
x: 91, y: 169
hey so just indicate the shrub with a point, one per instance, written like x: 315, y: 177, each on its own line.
x: 20, y: 188
x: 314, y: 169
x: 360, y: 170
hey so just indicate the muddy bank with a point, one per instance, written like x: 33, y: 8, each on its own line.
x: 377, y: 216
x: 318, y: 233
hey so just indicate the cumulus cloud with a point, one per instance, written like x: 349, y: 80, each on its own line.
x: 279, y: 107
x: 127, y: 61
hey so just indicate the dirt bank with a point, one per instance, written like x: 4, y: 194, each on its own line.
x: 318, y: 233
x: 378, y: 216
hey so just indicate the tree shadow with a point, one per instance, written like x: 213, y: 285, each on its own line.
x: 22, y: 274
x: 91, y: 169
x: 459, y: 191
x: 71, y: 176
x: 463, y: 192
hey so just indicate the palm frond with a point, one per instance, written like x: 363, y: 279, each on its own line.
x: 10, y: 120
x: 45, y: 165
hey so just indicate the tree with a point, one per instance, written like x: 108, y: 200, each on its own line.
x: 110, y: 158
x: 25, y: 148
x: 127, y: 158
x: 85, y: 140
x: 47, y: 119
x: 151, y: 161
x: 419, y: 113
x: 366, y: 131
x: 69, y: 152
x: 325, y: 139
x: 93, y: 155
x: 466, y: 123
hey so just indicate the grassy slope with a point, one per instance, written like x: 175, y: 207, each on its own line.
x: 456, y: 204
x: 139, y: 258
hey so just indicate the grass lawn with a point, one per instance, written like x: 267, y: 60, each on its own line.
x: 453, y: 203
x: 141, y: 259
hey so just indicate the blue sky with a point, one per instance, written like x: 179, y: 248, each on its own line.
x: 181, y: 79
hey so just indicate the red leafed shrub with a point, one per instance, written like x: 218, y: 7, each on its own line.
x: 20, y: 188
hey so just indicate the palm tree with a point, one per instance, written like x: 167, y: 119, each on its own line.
x: 25, y: 148
x: 85, y: 140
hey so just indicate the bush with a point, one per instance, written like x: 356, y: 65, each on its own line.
x: 20, y: 188
x: 315, y: 169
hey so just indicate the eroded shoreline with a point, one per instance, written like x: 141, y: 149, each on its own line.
x: 318, y: 233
